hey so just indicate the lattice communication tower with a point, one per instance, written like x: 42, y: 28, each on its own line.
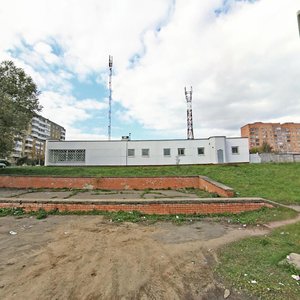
x: 110, y: 65
x: 188, y: 97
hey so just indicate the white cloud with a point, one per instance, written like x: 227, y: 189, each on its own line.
x: 77, y: 134
x: 45, y: 51
x: 243, y: 64
x: 69, y: 111
x: 90, y: 104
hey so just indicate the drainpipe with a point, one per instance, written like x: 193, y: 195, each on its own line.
x: 126, y: 153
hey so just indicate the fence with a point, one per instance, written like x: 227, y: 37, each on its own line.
x: 272, y: 157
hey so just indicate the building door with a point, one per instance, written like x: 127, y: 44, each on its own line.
x: 220, y: 156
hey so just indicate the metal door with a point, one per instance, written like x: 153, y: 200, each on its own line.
x: 220, y: 156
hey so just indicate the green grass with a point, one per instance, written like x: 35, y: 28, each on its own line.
x: 261, y: 216
x: 11, y: 212
x: 257, y: 259
x: 278, y: 182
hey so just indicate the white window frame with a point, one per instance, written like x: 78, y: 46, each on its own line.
x: 181, y: 151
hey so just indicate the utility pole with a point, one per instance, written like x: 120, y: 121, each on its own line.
x: 298, y: 17
x: 110, y: 65
x: 188, y: 97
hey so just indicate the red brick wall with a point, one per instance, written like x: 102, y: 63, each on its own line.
x: 147, y: 208
x: 212, y: 186
x: 116, y: 183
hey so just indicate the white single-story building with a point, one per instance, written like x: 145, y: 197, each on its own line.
x: 213, y: 150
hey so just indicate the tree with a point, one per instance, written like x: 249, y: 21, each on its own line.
x: 255, y: 150
x: 266, y: 148
x: 18, y: 104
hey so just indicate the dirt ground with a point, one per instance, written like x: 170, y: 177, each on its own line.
x: 89, y: 257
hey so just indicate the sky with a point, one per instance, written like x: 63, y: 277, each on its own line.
x: 242, y: 59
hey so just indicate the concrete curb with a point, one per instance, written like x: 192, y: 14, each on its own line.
x: 136, y: 201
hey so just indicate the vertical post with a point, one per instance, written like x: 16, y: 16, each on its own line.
x: 188, y: 97
x: 110, y: 64
x: 298, y: 17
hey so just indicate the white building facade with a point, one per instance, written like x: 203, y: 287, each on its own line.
x: 213, y: 150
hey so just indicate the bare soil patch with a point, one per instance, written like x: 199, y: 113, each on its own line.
x: 89, y: 257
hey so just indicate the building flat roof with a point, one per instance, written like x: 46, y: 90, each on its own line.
x: 166, y: 140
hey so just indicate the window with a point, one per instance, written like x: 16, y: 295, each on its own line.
x: 181, y: 151
x: 67, y: 156
x: 235, y: 150
x: 167, y: 151
x: 130, y: 152
x: 201, y: 151
x: 145, y: 152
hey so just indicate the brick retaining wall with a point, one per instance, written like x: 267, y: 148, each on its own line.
x: 148, y: 207
x: 116, y: 183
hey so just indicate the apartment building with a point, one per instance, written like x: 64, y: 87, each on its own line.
x: 284, y: 138
x: 32, y: 144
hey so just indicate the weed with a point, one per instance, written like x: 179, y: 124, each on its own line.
x: 11, y: 212
x: 149, y: 191
x: 41, y: 214
x: 104, y: 192
x: 261, y: 216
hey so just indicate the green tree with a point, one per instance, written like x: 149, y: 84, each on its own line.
x: 266, y: 148
x: 18, y: 104
x: 255, y: 150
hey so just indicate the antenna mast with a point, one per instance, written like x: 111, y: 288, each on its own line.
x: 188, y: 97
x: 110, y: 65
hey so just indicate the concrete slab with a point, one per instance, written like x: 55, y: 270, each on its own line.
x: 6, y: 193
x: 178, y: 193
x: 45, y: 195
x: 107, y: 195
x: 295, y: 207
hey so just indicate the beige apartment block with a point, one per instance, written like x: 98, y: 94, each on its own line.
x: 32, y: 143
x: 284, y: 138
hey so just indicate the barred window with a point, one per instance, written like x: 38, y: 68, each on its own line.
x: 130, y: 152
x: 145, y: 152
x: 167, y: 151
x: 235, y: 150
x: 56, y: 156
x: 201, y: 151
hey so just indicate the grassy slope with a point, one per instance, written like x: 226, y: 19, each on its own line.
x: 279, y: 182
x: 257, y: 259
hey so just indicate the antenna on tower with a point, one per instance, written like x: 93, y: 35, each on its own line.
x: 110, y: 65
x: 188, y: 97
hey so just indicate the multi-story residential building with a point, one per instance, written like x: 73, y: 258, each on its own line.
x: 283, y: 138
x: 32, y: 144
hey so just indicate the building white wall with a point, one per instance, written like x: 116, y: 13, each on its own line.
x: 243, y: 150
x: 112, y: 153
